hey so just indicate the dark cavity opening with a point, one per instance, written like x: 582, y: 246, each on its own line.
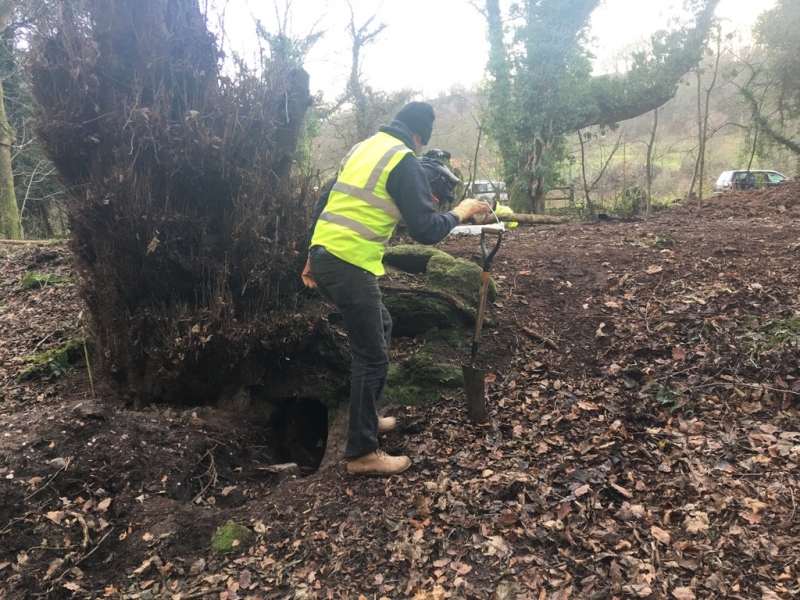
x: 300, y: 429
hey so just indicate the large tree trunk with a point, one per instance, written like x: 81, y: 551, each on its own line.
x: 9, y: 211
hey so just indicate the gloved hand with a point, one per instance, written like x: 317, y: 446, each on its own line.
x: 469, y: 207
x: 308, y: 279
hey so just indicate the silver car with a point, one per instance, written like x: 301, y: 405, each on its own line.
x: 747, y: 180
x: 488, y: 190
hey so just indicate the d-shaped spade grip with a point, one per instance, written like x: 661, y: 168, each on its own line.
x: 488, y: 256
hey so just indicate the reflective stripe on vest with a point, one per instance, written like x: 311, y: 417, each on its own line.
x: 360, y: 216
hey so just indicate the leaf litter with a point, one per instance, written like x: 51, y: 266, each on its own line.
x: 652, y: 455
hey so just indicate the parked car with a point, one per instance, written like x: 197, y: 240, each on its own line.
x: 488, y: 190
x: 747, y: 180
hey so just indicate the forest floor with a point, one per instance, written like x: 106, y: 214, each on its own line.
x: 643, y: 441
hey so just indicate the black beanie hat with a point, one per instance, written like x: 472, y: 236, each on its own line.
x: 418, y: 117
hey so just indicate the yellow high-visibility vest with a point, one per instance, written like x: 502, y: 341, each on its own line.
x: 506, y: 210
x: 360, y: 216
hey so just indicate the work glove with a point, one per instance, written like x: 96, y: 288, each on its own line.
x: 469, y: 207
x: 308, y: 279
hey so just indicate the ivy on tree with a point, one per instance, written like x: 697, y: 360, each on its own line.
x: 542, y: 85
x: 772, y: 91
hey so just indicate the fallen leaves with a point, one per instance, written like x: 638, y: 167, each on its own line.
x: 678, y: 354
x: 495, y: 545
x: 661, y: 535
x: 683, y: 593
x: 56, y: 516
x: 630, y: 463
x: 696, y: 523
x: 622, y: 490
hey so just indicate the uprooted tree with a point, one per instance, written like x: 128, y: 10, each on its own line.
x: 542, y: 85
x: 187, y: 227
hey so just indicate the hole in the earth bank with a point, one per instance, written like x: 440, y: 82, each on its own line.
x: 300, y: 427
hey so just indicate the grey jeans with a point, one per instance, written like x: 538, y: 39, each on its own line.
x: 356, y: 294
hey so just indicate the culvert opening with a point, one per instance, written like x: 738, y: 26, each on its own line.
x: 300, y: 430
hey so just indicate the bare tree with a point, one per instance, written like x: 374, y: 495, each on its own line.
x: 703, y: 109
x: 589, y: 187
x: 649, y: 161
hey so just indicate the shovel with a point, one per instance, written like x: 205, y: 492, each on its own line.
x: 474, y: 377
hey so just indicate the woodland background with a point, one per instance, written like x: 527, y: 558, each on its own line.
x: 737, y: 108
x: 166, y: 380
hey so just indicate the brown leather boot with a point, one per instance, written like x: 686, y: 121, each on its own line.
x: 378, y: 463
x: 386, y: 424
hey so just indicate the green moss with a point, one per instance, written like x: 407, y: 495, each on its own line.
x: 458, y: 277
x: 424, y: 376
x: 414, y: 315
x: 34, y: 280
x: 421, y: 369
x: 231, y: 537
x: 410, y: 395
x: 411, y: 258
x: 449, y: 338
x: 57, y: 361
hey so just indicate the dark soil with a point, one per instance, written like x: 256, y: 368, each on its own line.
x: 643, y: 440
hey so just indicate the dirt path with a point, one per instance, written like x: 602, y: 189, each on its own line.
x: 649, y: 450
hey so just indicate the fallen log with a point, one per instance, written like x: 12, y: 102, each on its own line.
x: 488, y: 219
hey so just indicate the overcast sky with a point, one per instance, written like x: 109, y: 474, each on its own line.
x: 430, y: 45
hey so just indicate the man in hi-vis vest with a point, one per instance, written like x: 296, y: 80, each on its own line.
x: 380, y: 181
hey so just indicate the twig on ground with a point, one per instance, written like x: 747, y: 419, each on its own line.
x: 540, y: 338
x: 84, y: 557
x: 43, y: 340
x: 82, y: 521
x: 211, y: 472
x: 202, y: 593
x: 49, y: 481
x: 96, y: 546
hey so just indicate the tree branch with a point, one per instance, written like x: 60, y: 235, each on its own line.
x: 651, y: 82
x: 765, y: 125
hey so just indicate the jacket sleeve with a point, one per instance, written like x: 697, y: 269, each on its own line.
x: 408, y: 185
